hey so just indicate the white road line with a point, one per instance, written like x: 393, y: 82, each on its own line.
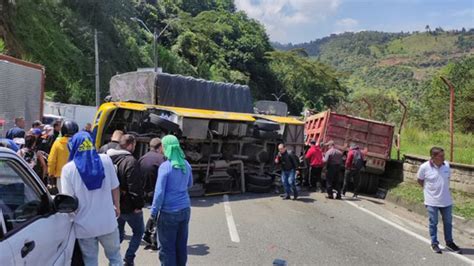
x: 403, y: 229
x: 234, y: 235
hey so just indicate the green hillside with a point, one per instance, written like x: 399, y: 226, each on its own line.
x: 385, y: 67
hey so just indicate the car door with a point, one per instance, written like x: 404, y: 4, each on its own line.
x: 36, y: 234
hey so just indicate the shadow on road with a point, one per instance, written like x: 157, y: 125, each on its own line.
x: 198, y: 250
x: 467, y: 251
x: 306, y: 200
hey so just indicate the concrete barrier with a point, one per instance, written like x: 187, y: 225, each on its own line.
x: 462, y: 175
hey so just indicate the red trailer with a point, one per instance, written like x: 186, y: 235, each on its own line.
x: 373, y: 137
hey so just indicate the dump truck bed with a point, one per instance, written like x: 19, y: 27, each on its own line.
x: 373, y: 137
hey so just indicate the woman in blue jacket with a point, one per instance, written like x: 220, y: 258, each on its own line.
x: 171, y: 203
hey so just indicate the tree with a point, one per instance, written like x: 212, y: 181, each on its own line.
x: 427, y: 28
x: 461, y: 75
x: 308, y: 83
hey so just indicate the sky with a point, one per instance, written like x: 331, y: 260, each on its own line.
x: 299, y: 21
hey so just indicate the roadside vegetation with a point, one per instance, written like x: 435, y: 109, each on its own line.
x: 413, y: 193
x: 416, y: 141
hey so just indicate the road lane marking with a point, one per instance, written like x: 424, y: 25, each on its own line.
x: 234, y: 235
x: 403, y: 229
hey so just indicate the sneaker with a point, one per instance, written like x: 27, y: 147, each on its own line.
x: 355, y: 196
x: 453, y: 247
x: 329, y: 197
x: 287, y: 197
x: 282, y: 195
x: 436, y: 248
x: 338, y: 197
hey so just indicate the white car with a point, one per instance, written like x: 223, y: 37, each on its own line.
x: 35, y: 229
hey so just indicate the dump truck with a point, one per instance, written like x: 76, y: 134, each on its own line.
x: 374, y: 138
x: 21, y: 92
x: 229, y: 146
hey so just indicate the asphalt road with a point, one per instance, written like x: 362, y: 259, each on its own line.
x: 310, y: 231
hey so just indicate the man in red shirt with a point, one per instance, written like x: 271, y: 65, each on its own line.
x: 354, y: 163
x: 315, y: 159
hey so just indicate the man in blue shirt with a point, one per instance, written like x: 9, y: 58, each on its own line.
x: 18, y: 131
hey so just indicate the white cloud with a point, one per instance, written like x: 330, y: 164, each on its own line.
x: 347, y: 24
x: 282, y: 16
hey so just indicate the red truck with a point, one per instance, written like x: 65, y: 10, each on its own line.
x: 373, y: 137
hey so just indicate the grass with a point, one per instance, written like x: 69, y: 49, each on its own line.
x: 423, y: 42
x: 413, y: 193
x: 418, y: 142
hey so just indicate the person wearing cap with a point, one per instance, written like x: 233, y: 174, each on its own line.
x: 47, y: 139
x: 59, y: 154
x: 314, y: 155
x: 149, y: 164
x: 92, y: 179
x: 171, y: 203
x: 354, y: 164
x: 333, y: 160
x: 18, y: 131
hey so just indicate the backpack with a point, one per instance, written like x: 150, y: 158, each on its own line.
x: 357, y: 161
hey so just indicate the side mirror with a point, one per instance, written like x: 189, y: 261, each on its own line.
x: 65, y: 203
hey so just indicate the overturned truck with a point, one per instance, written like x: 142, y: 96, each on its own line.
x: 230, y: 147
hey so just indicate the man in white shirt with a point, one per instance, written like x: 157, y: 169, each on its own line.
x: 92, y: 179
x: 434, y: 176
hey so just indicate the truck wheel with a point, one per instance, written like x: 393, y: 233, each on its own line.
x: 164, y: 123
x: 259, y: 180
x: 258, y: 189
x: 373, y: 184
x: 364, y: 182
x: 266, y: 125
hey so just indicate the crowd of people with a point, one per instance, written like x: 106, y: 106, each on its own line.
x: 319, y: 157
x: 113, y: 187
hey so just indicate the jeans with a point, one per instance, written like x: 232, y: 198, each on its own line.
x: 135, y: 221
x: 111, y: 245
x: 446, y: 214
x: 173, y: 230
x: 288, y: 180
x: 351, y: 175
x: 332, y: 180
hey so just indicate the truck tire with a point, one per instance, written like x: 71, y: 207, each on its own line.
x: 164, y: 123
x: 259, y: 180
x: 266, y: 125
x: 373, y: 184
x: 258, y: 189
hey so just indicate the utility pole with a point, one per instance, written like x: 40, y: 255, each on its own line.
x: 155, y: 59
x: 451, y: 116
x: 97, y: 83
